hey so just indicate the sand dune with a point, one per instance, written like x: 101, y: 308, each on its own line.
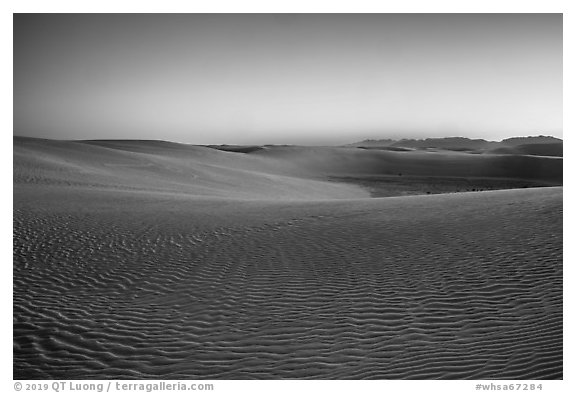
x: 354, y: 161
x: 166, y: 167
x: 278, y: 172
x: 154, y: 260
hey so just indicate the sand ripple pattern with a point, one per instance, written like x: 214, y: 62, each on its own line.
x: 432, y: 287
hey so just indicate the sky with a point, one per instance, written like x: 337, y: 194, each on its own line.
x: 307, y: 79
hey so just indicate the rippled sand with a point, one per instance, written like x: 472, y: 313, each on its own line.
x: 122, y: 283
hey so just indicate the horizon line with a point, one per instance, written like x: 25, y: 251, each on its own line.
x: 291, y: 144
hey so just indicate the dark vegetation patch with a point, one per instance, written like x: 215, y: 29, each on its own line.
x: 236, y: 148
x: 387, y: 148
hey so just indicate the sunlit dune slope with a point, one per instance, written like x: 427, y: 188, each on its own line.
x: 165, y: 167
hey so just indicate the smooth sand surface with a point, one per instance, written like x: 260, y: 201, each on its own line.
x: 156, y: 260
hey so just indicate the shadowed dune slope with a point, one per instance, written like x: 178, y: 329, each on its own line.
x: 535, y: 149
x: 346, y: 161
x: 110, y: 283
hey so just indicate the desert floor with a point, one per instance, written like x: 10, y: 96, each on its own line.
x: 136, y: 259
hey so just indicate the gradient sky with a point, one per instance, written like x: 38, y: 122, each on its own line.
x: 287, y: 78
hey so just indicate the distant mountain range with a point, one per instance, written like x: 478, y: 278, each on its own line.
x: 532, y: 145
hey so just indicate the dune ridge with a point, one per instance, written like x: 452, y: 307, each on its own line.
x: 134, y: 263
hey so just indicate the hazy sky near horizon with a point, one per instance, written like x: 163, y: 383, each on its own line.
x: 286, y: 78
